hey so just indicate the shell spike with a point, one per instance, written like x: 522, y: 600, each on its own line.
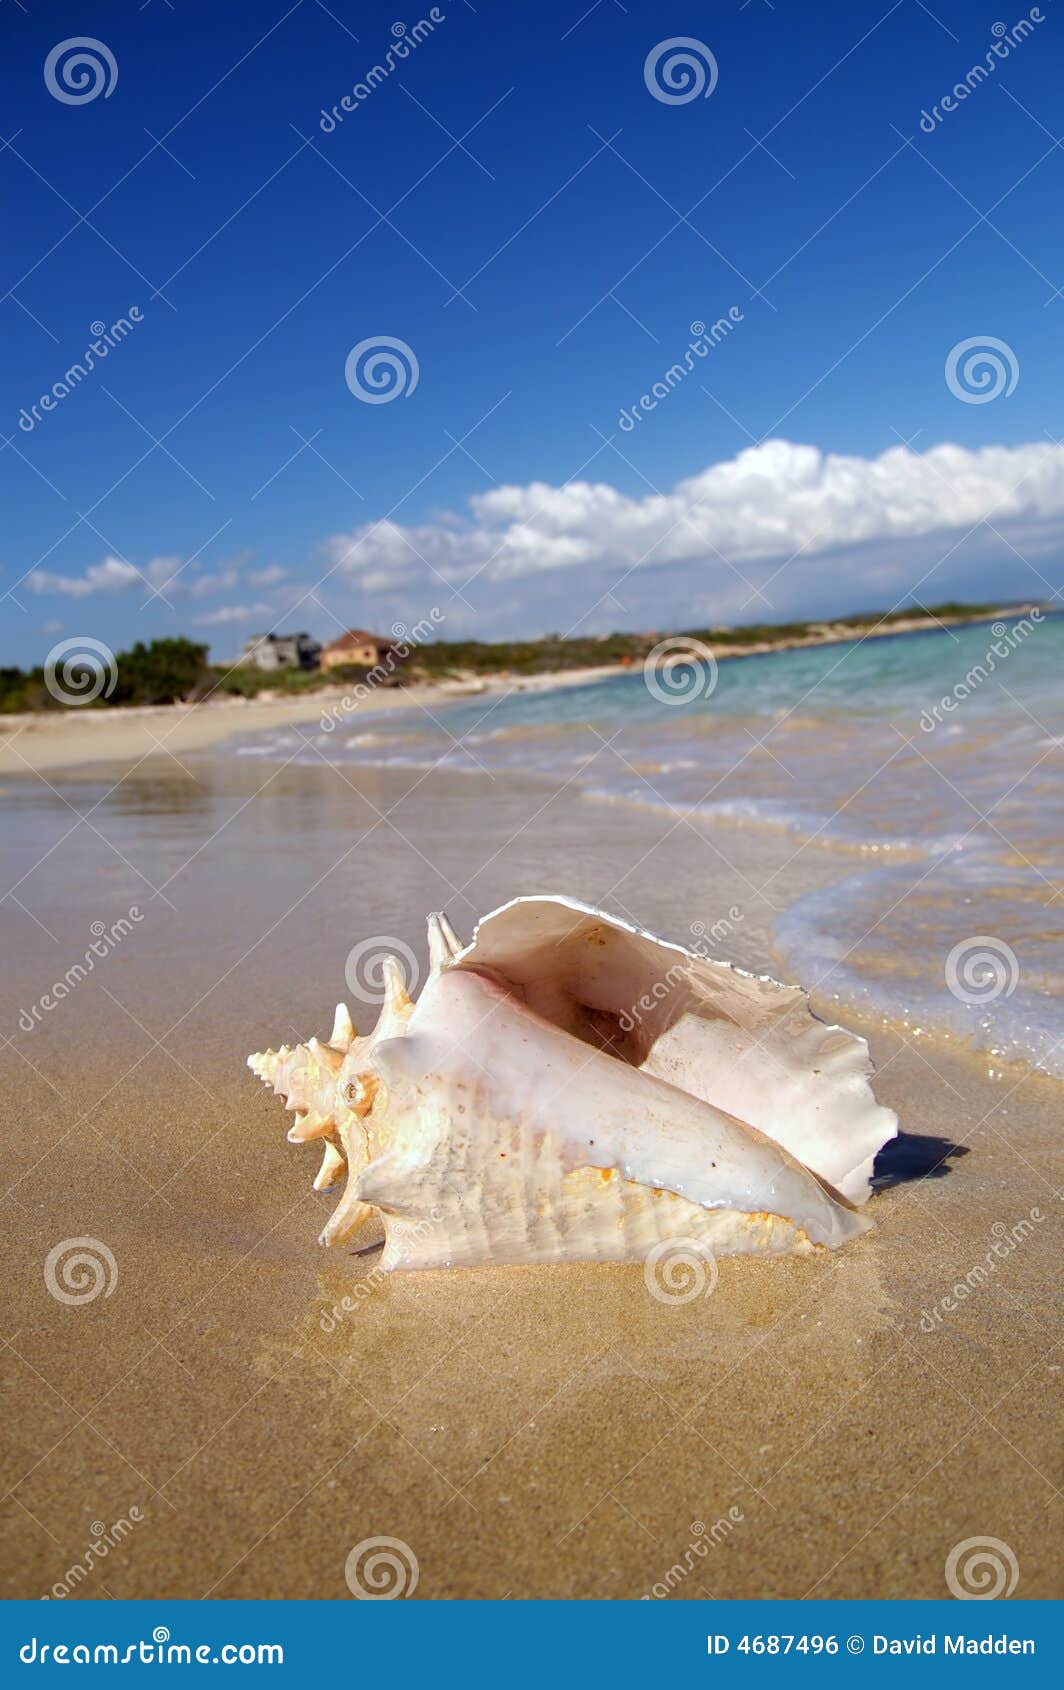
x: 309, y: 1123
x: 397, y: 1006
x: 343, y: 1029
x: 333, y: 1165
x: 444, y: 944
x: 326, y: 1055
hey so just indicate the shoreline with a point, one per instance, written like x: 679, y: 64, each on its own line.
x: 54, y: 740
x: 61, y: 740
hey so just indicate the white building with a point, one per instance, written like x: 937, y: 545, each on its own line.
x: 280, y: 651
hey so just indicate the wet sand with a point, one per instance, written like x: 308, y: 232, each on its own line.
x: 823, y: 1424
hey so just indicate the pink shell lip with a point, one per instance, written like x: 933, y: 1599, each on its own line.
x: 826, y: 1113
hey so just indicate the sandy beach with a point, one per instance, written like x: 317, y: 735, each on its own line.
x: 69, y: 738
x: 47, y: 740
x: 829, y: 1426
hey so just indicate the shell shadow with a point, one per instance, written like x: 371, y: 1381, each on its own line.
x: 913, y: 1156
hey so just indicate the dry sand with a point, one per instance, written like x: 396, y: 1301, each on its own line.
x: 47, y: 740
x: 526, y: 1432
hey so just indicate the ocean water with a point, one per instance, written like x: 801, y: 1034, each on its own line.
x: 929, y: 765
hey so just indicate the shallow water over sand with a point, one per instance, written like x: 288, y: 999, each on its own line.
x: 930, y: 765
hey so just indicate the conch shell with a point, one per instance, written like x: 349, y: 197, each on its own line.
x: 568, y: 1087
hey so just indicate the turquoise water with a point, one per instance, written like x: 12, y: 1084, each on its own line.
x: 931, y: 765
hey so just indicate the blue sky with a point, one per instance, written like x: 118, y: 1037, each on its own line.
x: 515, y: 205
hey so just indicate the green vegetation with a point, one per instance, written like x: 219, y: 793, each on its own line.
x: 159, y: 673
x: 552, y: 653
x: 173, y: 669
x: 250, y: 682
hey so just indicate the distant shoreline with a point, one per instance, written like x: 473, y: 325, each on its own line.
x: 33, y: 742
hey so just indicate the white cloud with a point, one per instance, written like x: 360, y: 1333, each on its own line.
x: 113, y: 575
x: 781, y: 529
x: 220, y: 582
x: 733, y: 521
x: 232, y: 613
x: 169, y: 575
